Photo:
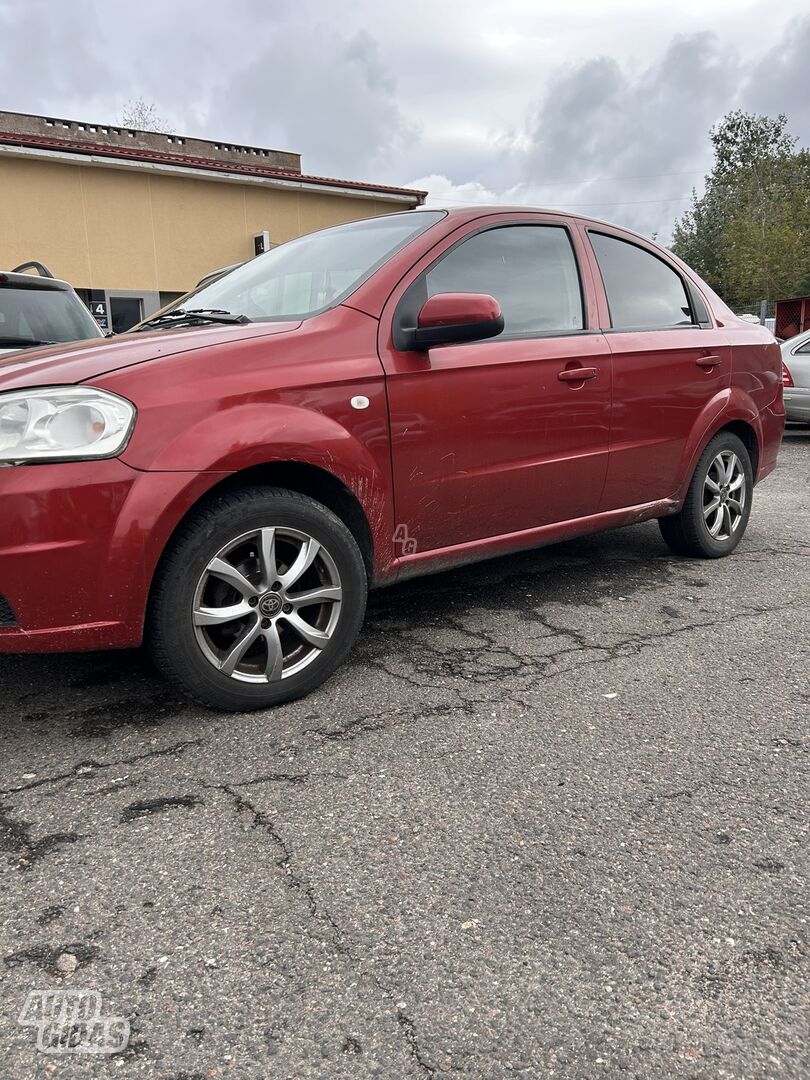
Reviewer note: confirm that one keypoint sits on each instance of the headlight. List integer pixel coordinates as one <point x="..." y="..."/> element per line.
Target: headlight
<point x="63" y="423"/>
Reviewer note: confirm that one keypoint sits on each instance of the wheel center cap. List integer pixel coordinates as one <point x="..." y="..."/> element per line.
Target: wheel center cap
<point x="723" y="496"/>
<point x="270" y="604"/>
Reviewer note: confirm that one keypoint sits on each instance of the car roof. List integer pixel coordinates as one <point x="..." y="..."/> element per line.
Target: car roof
<point x="469" y="213"/>
<point x="32" y="281"/>
<point x="496" y="208"/>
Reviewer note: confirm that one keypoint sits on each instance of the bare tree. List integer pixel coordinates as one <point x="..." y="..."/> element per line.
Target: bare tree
<point x="142" y="116"/>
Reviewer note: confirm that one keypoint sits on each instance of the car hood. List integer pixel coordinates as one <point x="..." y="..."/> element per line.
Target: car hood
<point x="57" y="365"/>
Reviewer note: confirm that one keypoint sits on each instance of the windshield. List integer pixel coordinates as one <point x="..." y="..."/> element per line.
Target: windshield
<point x="29" y="315"/>
<point x="304" y="276"/>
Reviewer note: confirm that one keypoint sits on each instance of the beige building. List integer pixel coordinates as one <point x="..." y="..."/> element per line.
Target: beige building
<point x="133" y="219"/>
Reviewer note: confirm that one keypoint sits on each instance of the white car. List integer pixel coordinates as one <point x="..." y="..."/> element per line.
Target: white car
<point x="36" y="311"/>
<point x="796" y="377"/>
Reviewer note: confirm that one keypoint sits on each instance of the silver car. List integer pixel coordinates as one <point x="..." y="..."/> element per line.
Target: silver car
<point x="796" y="375"/>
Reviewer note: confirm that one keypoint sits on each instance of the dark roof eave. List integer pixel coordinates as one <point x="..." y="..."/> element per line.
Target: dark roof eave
<point x="75" y="146"/>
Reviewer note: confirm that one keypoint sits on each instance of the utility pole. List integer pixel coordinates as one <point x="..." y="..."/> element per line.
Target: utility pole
<point x="763" y="311"/>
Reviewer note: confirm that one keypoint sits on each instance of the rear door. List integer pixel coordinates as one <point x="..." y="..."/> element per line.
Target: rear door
<point x="486" y="438"/>
<point x="669" y="361"/>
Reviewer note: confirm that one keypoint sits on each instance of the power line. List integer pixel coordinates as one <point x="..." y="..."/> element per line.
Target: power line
<point x="787" y="183"/>
<point x="498" y="202"/>
<point x="607" y="179"/>
<point x="634" y="202"/>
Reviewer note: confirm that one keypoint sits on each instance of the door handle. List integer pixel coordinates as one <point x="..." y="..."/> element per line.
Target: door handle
<point x="577" y="374"/>
<point x="708" y="361"/>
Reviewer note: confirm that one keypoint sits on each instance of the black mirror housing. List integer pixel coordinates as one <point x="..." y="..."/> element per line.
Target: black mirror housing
<point x="425" y="337"/>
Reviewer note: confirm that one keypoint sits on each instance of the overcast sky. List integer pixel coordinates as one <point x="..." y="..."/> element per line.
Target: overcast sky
<point x="598" y="105"/>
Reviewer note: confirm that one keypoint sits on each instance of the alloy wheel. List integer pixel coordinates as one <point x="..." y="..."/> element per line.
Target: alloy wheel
<point x="724" y="495"/>
<point x="267" y="605"/>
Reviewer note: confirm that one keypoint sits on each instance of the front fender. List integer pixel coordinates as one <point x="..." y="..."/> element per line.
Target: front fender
<point x="725" y="407"/>
<point x="248" y="434"/>
<point x="259" y="433"/>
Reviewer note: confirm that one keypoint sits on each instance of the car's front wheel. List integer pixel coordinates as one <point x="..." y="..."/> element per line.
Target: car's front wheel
<point x="258" y="599"/>
<point x="717" y="506"/>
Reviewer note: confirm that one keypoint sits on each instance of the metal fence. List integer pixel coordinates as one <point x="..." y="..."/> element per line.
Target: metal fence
<point x="783" y="317"/>
<point x="755" y="306"/>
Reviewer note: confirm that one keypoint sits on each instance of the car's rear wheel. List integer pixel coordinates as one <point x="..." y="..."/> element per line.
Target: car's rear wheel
<point x="258" y="599"/>
<point x="717" y="506"/>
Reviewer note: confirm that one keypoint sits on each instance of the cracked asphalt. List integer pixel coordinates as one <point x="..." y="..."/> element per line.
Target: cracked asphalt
<point x="551" y="820"/>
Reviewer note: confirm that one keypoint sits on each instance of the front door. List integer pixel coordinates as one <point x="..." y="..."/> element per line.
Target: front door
<point x="669" y="361"/>
<point x="495" y="437"/>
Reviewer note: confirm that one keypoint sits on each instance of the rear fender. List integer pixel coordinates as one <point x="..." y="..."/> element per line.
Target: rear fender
<point x="725" y="407"/>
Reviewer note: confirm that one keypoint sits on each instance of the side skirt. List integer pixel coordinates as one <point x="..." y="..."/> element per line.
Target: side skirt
<point x="433" y="562"/>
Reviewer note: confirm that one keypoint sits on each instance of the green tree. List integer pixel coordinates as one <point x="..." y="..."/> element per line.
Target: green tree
<point x="743" y="141"/>
<point x="748" y="235"/>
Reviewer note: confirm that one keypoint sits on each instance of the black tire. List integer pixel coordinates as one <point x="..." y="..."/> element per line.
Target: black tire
<point x="171" y="635"/>
<point x="687" y="532"/>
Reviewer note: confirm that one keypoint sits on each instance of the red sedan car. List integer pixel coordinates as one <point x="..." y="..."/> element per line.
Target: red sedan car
<point x="385" y="398"/>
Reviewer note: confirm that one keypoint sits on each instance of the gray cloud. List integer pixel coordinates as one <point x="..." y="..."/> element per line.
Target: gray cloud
<point x="316" y="90"/>
<point x="631" y="143"/>
<point x="43" y="59"/>
<point x="595" y="115"/>
<point x="780" y="82"/>
<point x="524" y="108"/>
<point x="598" y="121"/>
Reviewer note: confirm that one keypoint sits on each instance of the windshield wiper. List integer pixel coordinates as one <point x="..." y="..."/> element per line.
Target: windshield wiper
<point x="23" y="342"/>
<point x="192" y="316"/>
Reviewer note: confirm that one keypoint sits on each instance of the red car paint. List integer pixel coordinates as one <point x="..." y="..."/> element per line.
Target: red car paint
<point x="448" y="309"/>
<point x="607" y="425"/>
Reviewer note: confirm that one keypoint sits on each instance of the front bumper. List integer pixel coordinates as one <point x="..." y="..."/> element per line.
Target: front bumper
<point x="797" y="404"/>
<point x="79" y="542"/>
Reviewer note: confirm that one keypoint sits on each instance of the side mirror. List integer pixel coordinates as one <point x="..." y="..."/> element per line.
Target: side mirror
<point x="455" y="317"/>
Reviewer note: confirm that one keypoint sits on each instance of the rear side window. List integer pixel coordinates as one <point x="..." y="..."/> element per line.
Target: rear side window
<point x="643" y="292"/>
<point x="529" y="269"/>
<point x="28" y="315"/>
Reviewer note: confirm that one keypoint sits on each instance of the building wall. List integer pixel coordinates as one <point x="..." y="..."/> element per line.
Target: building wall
<point x="141" y="231"/>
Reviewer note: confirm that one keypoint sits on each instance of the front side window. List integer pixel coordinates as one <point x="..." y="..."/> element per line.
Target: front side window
<point x="643" y="293"/>
<point x="529" y="269"/>
<point x="317" y="271"/>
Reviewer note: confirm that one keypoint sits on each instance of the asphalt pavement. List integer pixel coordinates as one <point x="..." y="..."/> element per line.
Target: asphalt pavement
<point x="550" y="821"/>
